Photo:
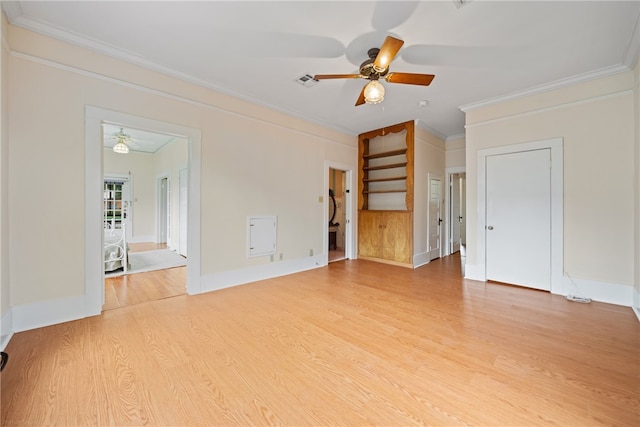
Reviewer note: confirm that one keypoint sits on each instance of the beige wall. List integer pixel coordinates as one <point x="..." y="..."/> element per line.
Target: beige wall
<point x="596" y="121"/>
<point x="455" y="153"/>
<point x="254" y="161"/>
<point x="429" y="161"/>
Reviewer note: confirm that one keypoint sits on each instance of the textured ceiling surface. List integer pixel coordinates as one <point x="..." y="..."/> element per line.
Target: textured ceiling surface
<point x="480" y="52"/>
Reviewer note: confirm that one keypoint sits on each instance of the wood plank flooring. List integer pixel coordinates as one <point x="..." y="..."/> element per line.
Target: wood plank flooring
<point x="138" y="288"/>
<point x="355" y="343"/>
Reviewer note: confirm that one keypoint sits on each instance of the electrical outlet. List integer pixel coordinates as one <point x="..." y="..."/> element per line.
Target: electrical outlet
<point x="310" y="252"/>
<point x="320" y="199"/>
<point x="271" y="256"/>
<point x="281" y="257"/>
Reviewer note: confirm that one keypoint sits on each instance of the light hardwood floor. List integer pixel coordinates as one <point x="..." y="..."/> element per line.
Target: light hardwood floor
<point x="146" y="246"/>
<point x="138" y="288"/>
<point x="355" y="343"/>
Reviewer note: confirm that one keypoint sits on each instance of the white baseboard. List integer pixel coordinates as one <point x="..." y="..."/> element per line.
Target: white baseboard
<point x="7" y="329"/>
<point x="46" y="313"/>
<point x="226" y="279"/>
<point x="611" y="293"/>
<point x="421" y="259"/>
<point x="474" y="272"/>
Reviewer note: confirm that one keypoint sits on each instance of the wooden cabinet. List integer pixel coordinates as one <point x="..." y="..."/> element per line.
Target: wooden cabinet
<point x="385" y="199"/>
<point x="386" y="236"/>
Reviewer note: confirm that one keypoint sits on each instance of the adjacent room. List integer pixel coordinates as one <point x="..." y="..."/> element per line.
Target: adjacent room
<point x="144" y="213"/>
<point x="320" y="213"/>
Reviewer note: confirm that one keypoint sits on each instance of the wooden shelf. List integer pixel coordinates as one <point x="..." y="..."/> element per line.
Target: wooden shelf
<point x="383" y="191"/>
<point x="399" y="152"/>
<point x="387" y="166"/>
<point x="385" y="220"/>
<point x="394" y="178"/>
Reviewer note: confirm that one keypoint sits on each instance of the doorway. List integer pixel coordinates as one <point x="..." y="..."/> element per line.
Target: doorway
<point x="457" y="211"/>
<point x="95" y="119"/>
<point x="337" y="215"/>
<point x="434" y="228"/>
<point x="151" y="244"/>
<point x="338" y="180"/>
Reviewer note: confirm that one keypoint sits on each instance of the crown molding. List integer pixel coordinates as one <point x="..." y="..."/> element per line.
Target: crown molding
<point x="452" y="137"/>
<point x="633" y="50"/>
<point x="557" y="84"/>
<point x="124" y="55"/>
<point x="12" y="10"/>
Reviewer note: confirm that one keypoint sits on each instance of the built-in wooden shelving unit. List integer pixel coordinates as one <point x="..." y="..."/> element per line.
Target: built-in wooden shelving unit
<point x="385" y="222"/>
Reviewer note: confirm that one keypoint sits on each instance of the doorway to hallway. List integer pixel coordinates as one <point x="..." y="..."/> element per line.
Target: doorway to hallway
<point x="337" y="215"/>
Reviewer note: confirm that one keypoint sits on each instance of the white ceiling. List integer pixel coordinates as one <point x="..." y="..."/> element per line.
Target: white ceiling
<point x="480" y="52"/>
<point x="139" y="140"/>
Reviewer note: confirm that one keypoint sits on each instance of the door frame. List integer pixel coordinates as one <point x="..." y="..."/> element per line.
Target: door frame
<point x="558" y="281"/>
<point x="349" y="237"/>
<point x="447" y="205"/>
<point x="164" y="211"/>
<point x="183" y="214"/>
<point x="95" y="117"/>
<point x="438" y="177"/>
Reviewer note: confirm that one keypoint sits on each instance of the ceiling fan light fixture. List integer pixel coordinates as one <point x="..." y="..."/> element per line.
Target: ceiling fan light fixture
<point x="121" y="147"/>
<point x="373" y="92"/>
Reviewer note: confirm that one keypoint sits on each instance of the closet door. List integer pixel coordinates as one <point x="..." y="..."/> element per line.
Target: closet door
<point x="518" y="218"/>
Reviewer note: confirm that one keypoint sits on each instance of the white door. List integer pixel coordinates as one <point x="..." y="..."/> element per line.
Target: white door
<point x="435" y="217"/>
<point x="183" y="178"/>
<point x="456" y="214"/>
<point x="518" y="218"/>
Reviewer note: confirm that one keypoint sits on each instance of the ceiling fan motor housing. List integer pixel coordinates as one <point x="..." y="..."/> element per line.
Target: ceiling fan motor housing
<point x="367" y="69"/>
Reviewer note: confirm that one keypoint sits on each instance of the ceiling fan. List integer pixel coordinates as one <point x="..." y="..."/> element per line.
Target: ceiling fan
<point x="377" y="67"/>
<point x="121" y="146"/>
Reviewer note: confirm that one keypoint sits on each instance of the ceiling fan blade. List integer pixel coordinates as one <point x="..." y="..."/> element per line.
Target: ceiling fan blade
<point x="388" y="51"/>
<point x="410" y="78"/>
<point x="361" y="100"/>
<point x="336" y="76"/>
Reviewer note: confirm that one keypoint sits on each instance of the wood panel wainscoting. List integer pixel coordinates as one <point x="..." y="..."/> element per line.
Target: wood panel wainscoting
<point x="354" y="343"/>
